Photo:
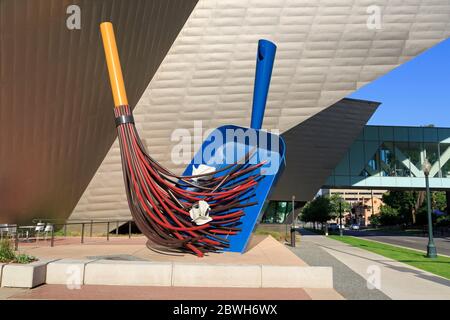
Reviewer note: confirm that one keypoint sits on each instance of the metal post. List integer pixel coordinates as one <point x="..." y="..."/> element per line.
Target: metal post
<point x="340" y="218"/>
<point x="16" y="239"/>
<point x="65" y="229"/>
<point x="117" y="228"/>
<point x="293" y="212"/>
<point x="286" y="233"/>
<point x="431" y="248"/>
<point x="52" y="239"/>
<point x="90" y="231"/>
<point x="107" y="231"/>
<point x="129" y="229"/>
<point x="82" y="233"/>
<point x="293" y="237"/>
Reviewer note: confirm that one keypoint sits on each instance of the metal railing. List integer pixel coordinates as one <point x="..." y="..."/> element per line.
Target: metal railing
<point x="18" y="232"/>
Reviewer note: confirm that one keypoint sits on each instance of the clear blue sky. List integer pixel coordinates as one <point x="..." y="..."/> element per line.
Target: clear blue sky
<point x="414" y="94"/>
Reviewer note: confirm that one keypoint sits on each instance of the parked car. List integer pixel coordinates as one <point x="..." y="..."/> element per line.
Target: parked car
<point x="354" y="226"/>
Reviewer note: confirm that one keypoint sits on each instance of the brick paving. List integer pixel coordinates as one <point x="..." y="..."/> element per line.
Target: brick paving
<point x="94" y="292"/>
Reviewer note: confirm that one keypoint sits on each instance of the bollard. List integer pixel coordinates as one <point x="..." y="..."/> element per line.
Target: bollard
<point x="117" y="228"/>
<point x="90" y="232"/>
<point x="107" y="231"/>
<point x="65" y="229"/>
<point x="52" y="239"/>
<point x="16" y="240"/>
<point x="129" y="229"/>
<point x="293" y="237"/>
<point x="82" y="233"/>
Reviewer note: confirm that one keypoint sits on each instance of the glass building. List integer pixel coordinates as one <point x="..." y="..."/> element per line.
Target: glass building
<point x="392" y="157"/>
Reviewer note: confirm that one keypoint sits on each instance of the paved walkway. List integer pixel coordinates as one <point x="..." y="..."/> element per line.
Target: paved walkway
<point x="91" y="292"/>
<point x="262" y="250"/>
<point x="348" y="283"/>
<point x="95" y="292"/>
<point x="397" y="280"/>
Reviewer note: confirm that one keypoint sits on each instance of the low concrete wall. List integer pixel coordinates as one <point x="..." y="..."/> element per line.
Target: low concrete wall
<point x="24" y="275"/>
<point x="210" y="275"/>
<point x="128" y="273"/>
<point x="146" y="273"/>
<point x="67" y="271"/>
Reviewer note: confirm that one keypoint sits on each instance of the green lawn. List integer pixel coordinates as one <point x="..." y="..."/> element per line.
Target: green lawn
<point x="439" y="266"/>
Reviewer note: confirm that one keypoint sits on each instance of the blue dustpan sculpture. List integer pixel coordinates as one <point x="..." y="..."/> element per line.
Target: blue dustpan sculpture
<point x="229" y="144"/>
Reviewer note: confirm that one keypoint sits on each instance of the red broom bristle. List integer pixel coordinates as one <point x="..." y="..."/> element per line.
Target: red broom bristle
<point x="160" y="200"/>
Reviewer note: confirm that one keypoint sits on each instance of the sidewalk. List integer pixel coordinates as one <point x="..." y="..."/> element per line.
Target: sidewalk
<point x="346" y="282"/>
<point x="91" y="292"/>
<point x="96" y="292"/>
<point x="397" y="280"/>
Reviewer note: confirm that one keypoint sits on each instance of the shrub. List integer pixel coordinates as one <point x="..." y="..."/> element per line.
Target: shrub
<point x="375" y="220"/>
<point x="7" y="253"/>
<point x="443" y="221"/>
<point x="389" y="216"/>
<point x="24" y="258"/>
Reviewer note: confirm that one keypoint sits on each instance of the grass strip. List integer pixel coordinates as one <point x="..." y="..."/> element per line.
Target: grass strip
<point x="439" y="266"/>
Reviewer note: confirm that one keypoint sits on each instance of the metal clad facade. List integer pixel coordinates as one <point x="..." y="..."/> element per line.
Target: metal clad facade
<point x="325" y="52"/>
<point x="55" y="99"/>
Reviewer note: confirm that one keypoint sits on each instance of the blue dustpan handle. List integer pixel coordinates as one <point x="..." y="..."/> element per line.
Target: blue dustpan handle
<point x="264" y="65"/>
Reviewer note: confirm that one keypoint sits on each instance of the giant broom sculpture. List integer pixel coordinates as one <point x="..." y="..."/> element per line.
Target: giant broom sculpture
<point x="193" y="213"/>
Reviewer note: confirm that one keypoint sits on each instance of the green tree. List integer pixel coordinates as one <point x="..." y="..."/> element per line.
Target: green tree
<point x="317" y="210"/>
<point x="439" y="200"/>
<point x="389" y="216"/>
<point x="305" y="213"/>
<point x="335" y="199"/>
<point x="375" y="220"/>
<point x="404" y="202"/>
<point x="412" y="205"/>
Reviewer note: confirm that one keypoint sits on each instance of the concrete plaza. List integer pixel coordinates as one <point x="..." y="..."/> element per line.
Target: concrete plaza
<point x="353" y="272"/>
<point x="263" y="251"/>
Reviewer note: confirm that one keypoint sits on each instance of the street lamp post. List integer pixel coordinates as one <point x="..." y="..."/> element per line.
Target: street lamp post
<point x="340" y="218"/>
<point x="431" y="248"/>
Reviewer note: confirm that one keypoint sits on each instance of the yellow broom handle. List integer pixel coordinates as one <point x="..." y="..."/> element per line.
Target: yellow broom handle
<point x="113" y="62"/>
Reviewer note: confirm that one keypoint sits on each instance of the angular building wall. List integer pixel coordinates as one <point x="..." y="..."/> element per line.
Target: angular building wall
<point x="55" y="100"/>
<point x="317" y="145"/>
<point x="325" y="52"/>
